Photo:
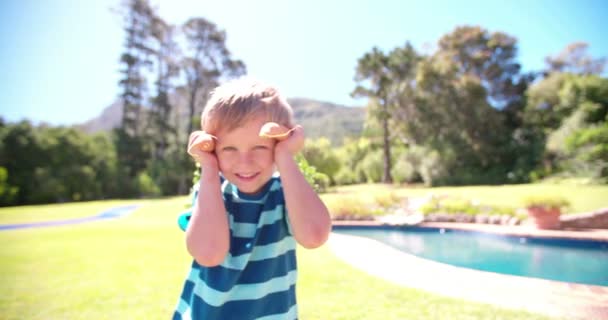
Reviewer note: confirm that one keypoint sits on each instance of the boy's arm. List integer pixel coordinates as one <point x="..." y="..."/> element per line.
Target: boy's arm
<point x="308" y="215"/>
<point x="207" y="235"/>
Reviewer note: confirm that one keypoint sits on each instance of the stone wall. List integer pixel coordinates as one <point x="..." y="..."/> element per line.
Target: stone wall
<point x="595" y="220"/>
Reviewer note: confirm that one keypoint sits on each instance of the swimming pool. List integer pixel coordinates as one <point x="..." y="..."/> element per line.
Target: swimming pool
<point x="569" y="260"/>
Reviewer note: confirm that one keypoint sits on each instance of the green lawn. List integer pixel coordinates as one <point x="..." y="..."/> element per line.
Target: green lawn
<point x="133" y="268"/>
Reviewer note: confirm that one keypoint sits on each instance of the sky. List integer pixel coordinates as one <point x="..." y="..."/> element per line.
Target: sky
<point x="59" y="59"/>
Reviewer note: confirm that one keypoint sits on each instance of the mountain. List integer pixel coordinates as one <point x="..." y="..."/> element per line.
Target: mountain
<point x="325" y="119"/>
<point x="109" y="119"/>
<point x="319" y="119"/>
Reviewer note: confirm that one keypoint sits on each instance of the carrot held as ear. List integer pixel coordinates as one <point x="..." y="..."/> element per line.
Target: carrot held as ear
<point x="200" y="140"/>
<point x="275" y="131"/>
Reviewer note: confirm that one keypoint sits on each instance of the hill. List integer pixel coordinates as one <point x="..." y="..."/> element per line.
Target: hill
<point x="325" y="119"/>
<point x="319" y="119"/>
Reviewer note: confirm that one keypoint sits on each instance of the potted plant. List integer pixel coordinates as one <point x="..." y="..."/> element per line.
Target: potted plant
<point x="544" y="211"/>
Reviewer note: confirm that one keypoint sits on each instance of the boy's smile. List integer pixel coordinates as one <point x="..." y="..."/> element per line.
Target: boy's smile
<point x="245" y="158"/>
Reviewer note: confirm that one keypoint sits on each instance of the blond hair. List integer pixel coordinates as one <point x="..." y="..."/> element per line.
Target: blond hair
<point x="238" y="101"/>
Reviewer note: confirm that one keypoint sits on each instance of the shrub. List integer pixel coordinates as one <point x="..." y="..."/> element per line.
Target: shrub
<point x="404" y="171"/>
<point x="387" y="200"/>
<point x="346" y="176"/>
<point x="453" y="205"/>
<point x="459" y="206"/>
<point x="372" y="166"/>
<point x="319" y="154"/>
<point x="352" y="208"/>
<point x="546" y="201"/>
<point x="319" y="181"/>
<point x="146" y="186"/>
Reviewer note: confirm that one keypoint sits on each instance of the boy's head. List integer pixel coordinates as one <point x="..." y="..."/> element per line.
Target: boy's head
<point x="238" y="101"/>
<point x="235" y="114"/>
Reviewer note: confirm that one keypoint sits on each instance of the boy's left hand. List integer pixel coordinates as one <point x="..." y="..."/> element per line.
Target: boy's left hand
<point x="292" y="145"/>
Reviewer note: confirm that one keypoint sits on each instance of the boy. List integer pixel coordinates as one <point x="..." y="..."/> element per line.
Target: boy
<point x="243" y="227"/>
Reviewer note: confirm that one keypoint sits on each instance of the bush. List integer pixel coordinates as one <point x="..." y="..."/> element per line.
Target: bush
<point x="8" y="193"/>
<point x="454" y="205"/>
<point x="546" y="201"/>
<point x="319" y="181"/>
<point x="352" y="208"/>
<point x="350" y="156"/>
<point x="371" y="167"/>
<point x="146" y="186"/>
<point x="404" y="171"/>
<point x="346" y="176"/>
<point x="387" y="200"/>
<point x="319" y="154"/>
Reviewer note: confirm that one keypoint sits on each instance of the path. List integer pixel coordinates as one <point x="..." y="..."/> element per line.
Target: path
<point x="111" y="213"/>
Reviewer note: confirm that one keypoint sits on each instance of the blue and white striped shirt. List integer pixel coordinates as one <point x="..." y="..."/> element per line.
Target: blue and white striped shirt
<point x="257" y="279"/>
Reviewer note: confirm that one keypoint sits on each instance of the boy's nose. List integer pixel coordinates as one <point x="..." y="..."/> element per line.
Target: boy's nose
<point x="245" y="157"/>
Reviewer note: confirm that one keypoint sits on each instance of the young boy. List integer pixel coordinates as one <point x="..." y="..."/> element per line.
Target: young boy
<point x="244" y="225"/>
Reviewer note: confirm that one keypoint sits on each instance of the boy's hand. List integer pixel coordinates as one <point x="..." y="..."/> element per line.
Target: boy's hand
<point x="292" y="145"/>
<point x="200" y="147"/>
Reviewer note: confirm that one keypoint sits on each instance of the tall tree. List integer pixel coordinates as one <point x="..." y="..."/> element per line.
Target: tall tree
<point x="166" y="53"/>
<point x="572" y="112"/>
<point x="137" y="25"/>
<point x="574" y="58"/>
<point x="380" y="77"/>
<point x="207" y="61"/>
<point x="490" y="57"/>
<point x="131" y="145"/>
<point x="485" y="64"/>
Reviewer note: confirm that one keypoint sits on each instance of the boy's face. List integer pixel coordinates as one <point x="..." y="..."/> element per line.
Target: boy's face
<point x="244" y="158"/>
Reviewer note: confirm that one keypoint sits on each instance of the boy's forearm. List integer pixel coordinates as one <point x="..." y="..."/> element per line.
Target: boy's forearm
<point x="308" y="215"/>
<point x="207" y="236"/>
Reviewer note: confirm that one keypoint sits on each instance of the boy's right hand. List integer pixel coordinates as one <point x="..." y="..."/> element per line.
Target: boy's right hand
<point x="200" y="147"/>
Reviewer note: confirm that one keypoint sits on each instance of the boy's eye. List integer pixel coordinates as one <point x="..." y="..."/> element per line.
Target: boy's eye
<point x="228" y="149"/>
<point x="260" y="147"/>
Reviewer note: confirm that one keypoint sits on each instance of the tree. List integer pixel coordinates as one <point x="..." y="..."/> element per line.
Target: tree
<point x="131" y="144"/>
<point x="319" y="154"/>
<point x="574" y="58"/>
<point x="138" y="20"/>
<point x="572" y="112"/>
<point x="167" y="68"/>
<point x="489" y="57"/>
<point x="54" y="164"/>
<point x="208" y="61"/>
<point x="21" y="152"/>
<point x="378" y="78"/>
<point x="464" y="102"/>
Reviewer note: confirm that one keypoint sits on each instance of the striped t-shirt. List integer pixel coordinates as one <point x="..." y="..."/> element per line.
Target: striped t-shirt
<point x="257" y="279"/>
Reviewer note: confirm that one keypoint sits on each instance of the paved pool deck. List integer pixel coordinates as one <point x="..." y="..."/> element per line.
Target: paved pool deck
<point x="554" y="298"/>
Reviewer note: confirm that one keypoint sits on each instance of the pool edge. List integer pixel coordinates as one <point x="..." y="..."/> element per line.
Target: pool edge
<point x="600" y="235"/>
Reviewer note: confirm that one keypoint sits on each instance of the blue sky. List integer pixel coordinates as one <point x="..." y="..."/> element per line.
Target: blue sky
<point x="59" y="58"/>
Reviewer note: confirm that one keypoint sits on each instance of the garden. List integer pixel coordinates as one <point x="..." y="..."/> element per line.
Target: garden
<point x="132" y="267"/>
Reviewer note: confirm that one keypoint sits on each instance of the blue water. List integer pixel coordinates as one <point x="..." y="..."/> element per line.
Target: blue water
<point x="577" y="261"/>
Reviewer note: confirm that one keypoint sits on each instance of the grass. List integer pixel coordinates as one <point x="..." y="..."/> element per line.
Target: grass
<point x="331" y="289"/>
<point x="133" y="268"/>
<point x="581" y="198"/>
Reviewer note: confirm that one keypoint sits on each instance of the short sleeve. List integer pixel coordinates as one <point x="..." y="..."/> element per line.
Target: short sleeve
<point x="184" y="216"/>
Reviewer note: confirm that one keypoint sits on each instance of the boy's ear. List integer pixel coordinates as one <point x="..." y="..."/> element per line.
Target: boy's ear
<point x="274" y="130"/>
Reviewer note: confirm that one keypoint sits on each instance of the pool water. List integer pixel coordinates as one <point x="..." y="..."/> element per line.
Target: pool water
<point x="579" y="261"/>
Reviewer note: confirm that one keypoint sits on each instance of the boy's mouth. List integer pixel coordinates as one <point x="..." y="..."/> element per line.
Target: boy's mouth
<point x="247" y="176"/>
